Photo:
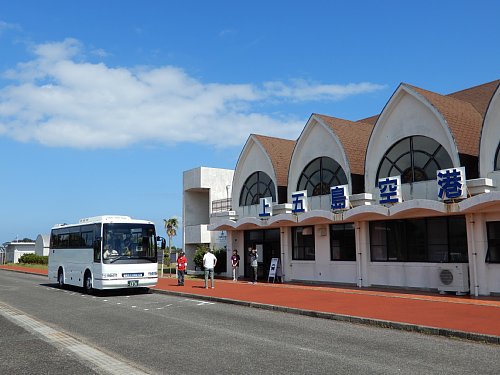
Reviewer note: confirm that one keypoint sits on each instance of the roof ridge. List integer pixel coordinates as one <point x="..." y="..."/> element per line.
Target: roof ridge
<point x="446" y="97"/>
<point x="277" y="138"/>
<point x="346" y="120"/>
<point x="497" y="81"/>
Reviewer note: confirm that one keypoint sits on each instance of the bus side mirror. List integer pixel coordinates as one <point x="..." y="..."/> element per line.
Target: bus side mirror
<point x="163" y="242"/>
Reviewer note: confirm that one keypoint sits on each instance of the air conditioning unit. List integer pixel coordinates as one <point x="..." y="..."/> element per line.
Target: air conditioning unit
<point x="454" y="278"/>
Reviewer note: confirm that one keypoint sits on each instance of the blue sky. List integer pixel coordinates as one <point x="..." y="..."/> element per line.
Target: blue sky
<point x="103" y="104"/>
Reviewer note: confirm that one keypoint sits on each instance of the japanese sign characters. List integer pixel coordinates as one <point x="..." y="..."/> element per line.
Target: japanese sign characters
<point x="339" y="196"/>
<point x="390" y="190"/>
<point x="299" y="201"/>
<point x="451" y="183"/>
<point x="265" y="207"/>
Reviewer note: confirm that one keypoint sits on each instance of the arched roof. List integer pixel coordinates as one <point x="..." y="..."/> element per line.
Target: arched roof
<point x="280" y="152"/>
<point x="479" y="96"/>
<point x="463" y="119"/>
<point x="354" y="136"/>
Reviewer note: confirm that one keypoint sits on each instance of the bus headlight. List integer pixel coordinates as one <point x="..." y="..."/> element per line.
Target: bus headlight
<point x="152" y="273"/>
<point x="108" y="275"/>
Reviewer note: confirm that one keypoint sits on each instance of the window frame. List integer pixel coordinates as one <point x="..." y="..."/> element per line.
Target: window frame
<point x="344" y="249"/>
<point x="388" y="246"/>
<point x="432" y="157"/>
<point x="489" y="224"/>
<point x="299" y="251"/>
<point x="246" y="191"/>
<point x="305" y="183"/>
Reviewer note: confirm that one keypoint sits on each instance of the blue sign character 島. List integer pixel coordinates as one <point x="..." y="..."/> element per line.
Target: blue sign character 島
<point x="339" y="197"/>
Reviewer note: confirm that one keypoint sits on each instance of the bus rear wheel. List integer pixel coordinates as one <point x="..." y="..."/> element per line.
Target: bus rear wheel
<point x="87" y="283"/>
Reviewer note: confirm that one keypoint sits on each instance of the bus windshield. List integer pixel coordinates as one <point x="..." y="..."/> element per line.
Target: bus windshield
<point x="129" y="243"/>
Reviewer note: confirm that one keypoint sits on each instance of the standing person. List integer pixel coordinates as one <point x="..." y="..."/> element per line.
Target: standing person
<point x="209" y="262"/>
<point x="181" y="268"/>
<point x="235" y="263"/>
<point x="254" y="264"/>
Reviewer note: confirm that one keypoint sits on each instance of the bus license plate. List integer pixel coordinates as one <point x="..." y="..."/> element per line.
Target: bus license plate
<point x="133" y="283"/>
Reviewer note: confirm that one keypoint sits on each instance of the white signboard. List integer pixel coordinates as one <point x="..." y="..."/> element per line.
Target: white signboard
<point x="451" y="184"/>
<point x="274" y="269"/>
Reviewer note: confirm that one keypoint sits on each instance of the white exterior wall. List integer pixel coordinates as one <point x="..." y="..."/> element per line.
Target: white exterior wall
<point x="201" y="186"/>
<point x="406" y="115"/>
<point x="316" y="141"/>
<point x="42" y="244"/>
<point x="322" y="269"/>
<point x="490" y="138"/>
<point x="488" y="274"/>
<point x="196" y="207"/>
<point x="253" y="159"/>
<point x="404" y="274"/>
<point x="15" y="250"/>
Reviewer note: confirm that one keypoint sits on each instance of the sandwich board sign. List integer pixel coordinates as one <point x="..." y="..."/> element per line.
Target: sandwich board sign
<point x="274" y="269"/>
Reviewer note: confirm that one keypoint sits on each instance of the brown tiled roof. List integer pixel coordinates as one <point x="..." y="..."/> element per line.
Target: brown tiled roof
<point x="280" y="152"/>
<point x="479" y="96"/>
<point x="370" y="120"/>
<point x="354" y="137"/>
<point x="463" y="119"/>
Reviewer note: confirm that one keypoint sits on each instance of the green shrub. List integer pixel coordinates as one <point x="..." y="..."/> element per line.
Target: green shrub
<point x="220" y="254"/>
<point x="34" y="259"/>
<point x="198" y="256"/>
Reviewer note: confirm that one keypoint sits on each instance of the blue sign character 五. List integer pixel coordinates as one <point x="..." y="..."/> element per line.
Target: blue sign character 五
<point x="298" y="202"/>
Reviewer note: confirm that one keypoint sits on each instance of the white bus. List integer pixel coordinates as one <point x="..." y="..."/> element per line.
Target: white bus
<point x="104" y="252"/>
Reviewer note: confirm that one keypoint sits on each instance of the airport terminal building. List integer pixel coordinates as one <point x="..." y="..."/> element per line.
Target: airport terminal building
<point x="408" y="198"/>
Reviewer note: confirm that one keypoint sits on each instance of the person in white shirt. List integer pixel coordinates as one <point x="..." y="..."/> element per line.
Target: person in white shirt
<point x="209" y="262"/>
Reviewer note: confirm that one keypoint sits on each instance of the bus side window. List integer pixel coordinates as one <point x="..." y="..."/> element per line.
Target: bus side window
<point x="97" y="250"/>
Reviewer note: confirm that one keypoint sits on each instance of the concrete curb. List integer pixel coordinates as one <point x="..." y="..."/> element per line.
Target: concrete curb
<point x="450" y="333"/>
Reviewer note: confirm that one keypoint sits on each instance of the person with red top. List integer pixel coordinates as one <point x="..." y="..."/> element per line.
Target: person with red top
<point x="181" y="268"/>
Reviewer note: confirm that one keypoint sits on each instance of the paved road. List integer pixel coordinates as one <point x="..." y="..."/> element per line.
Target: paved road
<point x="161" y="334"/>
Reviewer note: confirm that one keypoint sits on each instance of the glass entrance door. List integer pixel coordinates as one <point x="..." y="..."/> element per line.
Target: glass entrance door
<point x="269" y="241"/>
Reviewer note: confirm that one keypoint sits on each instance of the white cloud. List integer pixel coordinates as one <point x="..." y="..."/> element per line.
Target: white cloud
<point x="301" y="90"/>
<point x="5" y="26"/>
<point x="58" y="99"/>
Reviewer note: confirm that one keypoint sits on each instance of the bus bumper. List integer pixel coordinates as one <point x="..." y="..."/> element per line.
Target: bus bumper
<point x="125" y="283"/>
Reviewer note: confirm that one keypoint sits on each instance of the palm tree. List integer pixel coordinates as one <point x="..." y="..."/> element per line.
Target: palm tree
<point x="171" y="229"/>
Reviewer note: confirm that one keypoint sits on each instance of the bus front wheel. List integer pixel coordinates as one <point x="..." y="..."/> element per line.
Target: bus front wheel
<point x="60" y="279"/>
<point x="87" y="283"/>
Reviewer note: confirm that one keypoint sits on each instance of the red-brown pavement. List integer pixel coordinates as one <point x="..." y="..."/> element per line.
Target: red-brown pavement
<point x="456" y="313"/>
